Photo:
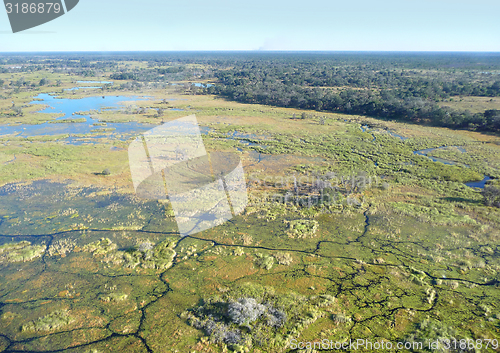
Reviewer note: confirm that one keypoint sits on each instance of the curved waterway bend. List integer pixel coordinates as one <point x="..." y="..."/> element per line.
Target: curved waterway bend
<point x="473" y="184"/>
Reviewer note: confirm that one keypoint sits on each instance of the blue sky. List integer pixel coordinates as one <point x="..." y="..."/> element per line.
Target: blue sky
<point x="389" y="25"/>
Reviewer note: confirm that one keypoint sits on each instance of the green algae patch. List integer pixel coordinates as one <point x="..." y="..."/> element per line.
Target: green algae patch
<point x="20" y="252"/>
<point x="272" y="212"/>
<point x="53" y="321"/>
<point x="145" y="255"/>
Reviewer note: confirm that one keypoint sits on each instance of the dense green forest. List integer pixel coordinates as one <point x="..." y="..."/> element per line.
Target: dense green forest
<point x="379" y="86"/>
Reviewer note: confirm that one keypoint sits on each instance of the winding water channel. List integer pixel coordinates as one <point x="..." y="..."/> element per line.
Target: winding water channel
<point x="425" y="152"/>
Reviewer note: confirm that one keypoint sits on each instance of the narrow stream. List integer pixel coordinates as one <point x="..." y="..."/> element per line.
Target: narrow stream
<point x="425" y="152"/>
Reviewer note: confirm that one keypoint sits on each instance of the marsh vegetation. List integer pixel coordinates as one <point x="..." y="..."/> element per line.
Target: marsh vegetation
<point x="358" y="226"/>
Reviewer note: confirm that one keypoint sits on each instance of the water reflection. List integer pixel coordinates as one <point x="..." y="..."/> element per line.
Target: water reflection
<point x="67" y="107"/>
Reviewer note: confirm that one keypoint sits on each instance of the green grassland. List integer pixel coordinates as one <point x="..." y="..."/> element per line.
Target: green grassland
<point x="473" y="104"/>
<point x="413" y="254"/>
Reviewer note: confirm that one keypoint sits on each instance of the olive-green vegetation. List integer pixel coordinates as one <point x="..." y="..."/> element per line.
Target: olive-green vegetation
<point x="62" y="121"/>
<point x="52" y="321"/>
<point x="301" y="228"/>
<point x="356" y="228"/>
<point x="252" y="315"/>
<point x="20" y="252"/>
<point x="146" y="255"/>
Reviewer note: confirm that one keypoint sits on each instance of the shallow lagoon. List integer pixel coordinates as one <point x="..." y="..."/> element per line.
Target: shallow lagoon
<point x="68" y="107"/>
<point x="479" y="184"/>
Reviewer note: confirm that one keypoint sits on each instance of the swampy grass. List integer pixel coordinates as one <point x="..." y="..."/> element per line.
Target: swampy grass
<point x="416" y="255"/>
<point x="387" y="271"/>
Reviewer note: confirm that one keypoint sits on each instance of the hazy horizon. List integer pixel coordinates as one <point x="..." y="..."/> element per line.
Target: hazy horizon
<point x="361" y="25"/>
<point x="260" y="51"/>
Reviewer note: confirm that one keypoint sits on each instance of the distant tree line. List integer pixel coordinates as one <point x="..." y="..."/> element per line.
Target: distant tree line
<point x="154" y="74"/>
<point x="397" y="86"/>
<point x="388" y="92"/>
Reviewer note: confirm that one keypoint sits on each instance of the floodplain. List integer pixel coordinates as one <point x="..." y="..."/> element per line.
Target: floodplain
<point x="356" y="228"/>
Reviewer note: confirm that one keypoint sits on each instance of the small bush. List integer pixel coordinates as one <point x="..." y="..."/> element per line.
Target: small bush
<point x="283" y="258"/>
<point x="491" y="195"/>
<point x="265" y="262"/>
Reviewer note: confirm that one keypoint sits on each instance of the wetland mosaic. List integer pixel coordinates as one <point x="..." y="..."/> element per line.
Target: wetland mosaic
<point x="356" y="228"/>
